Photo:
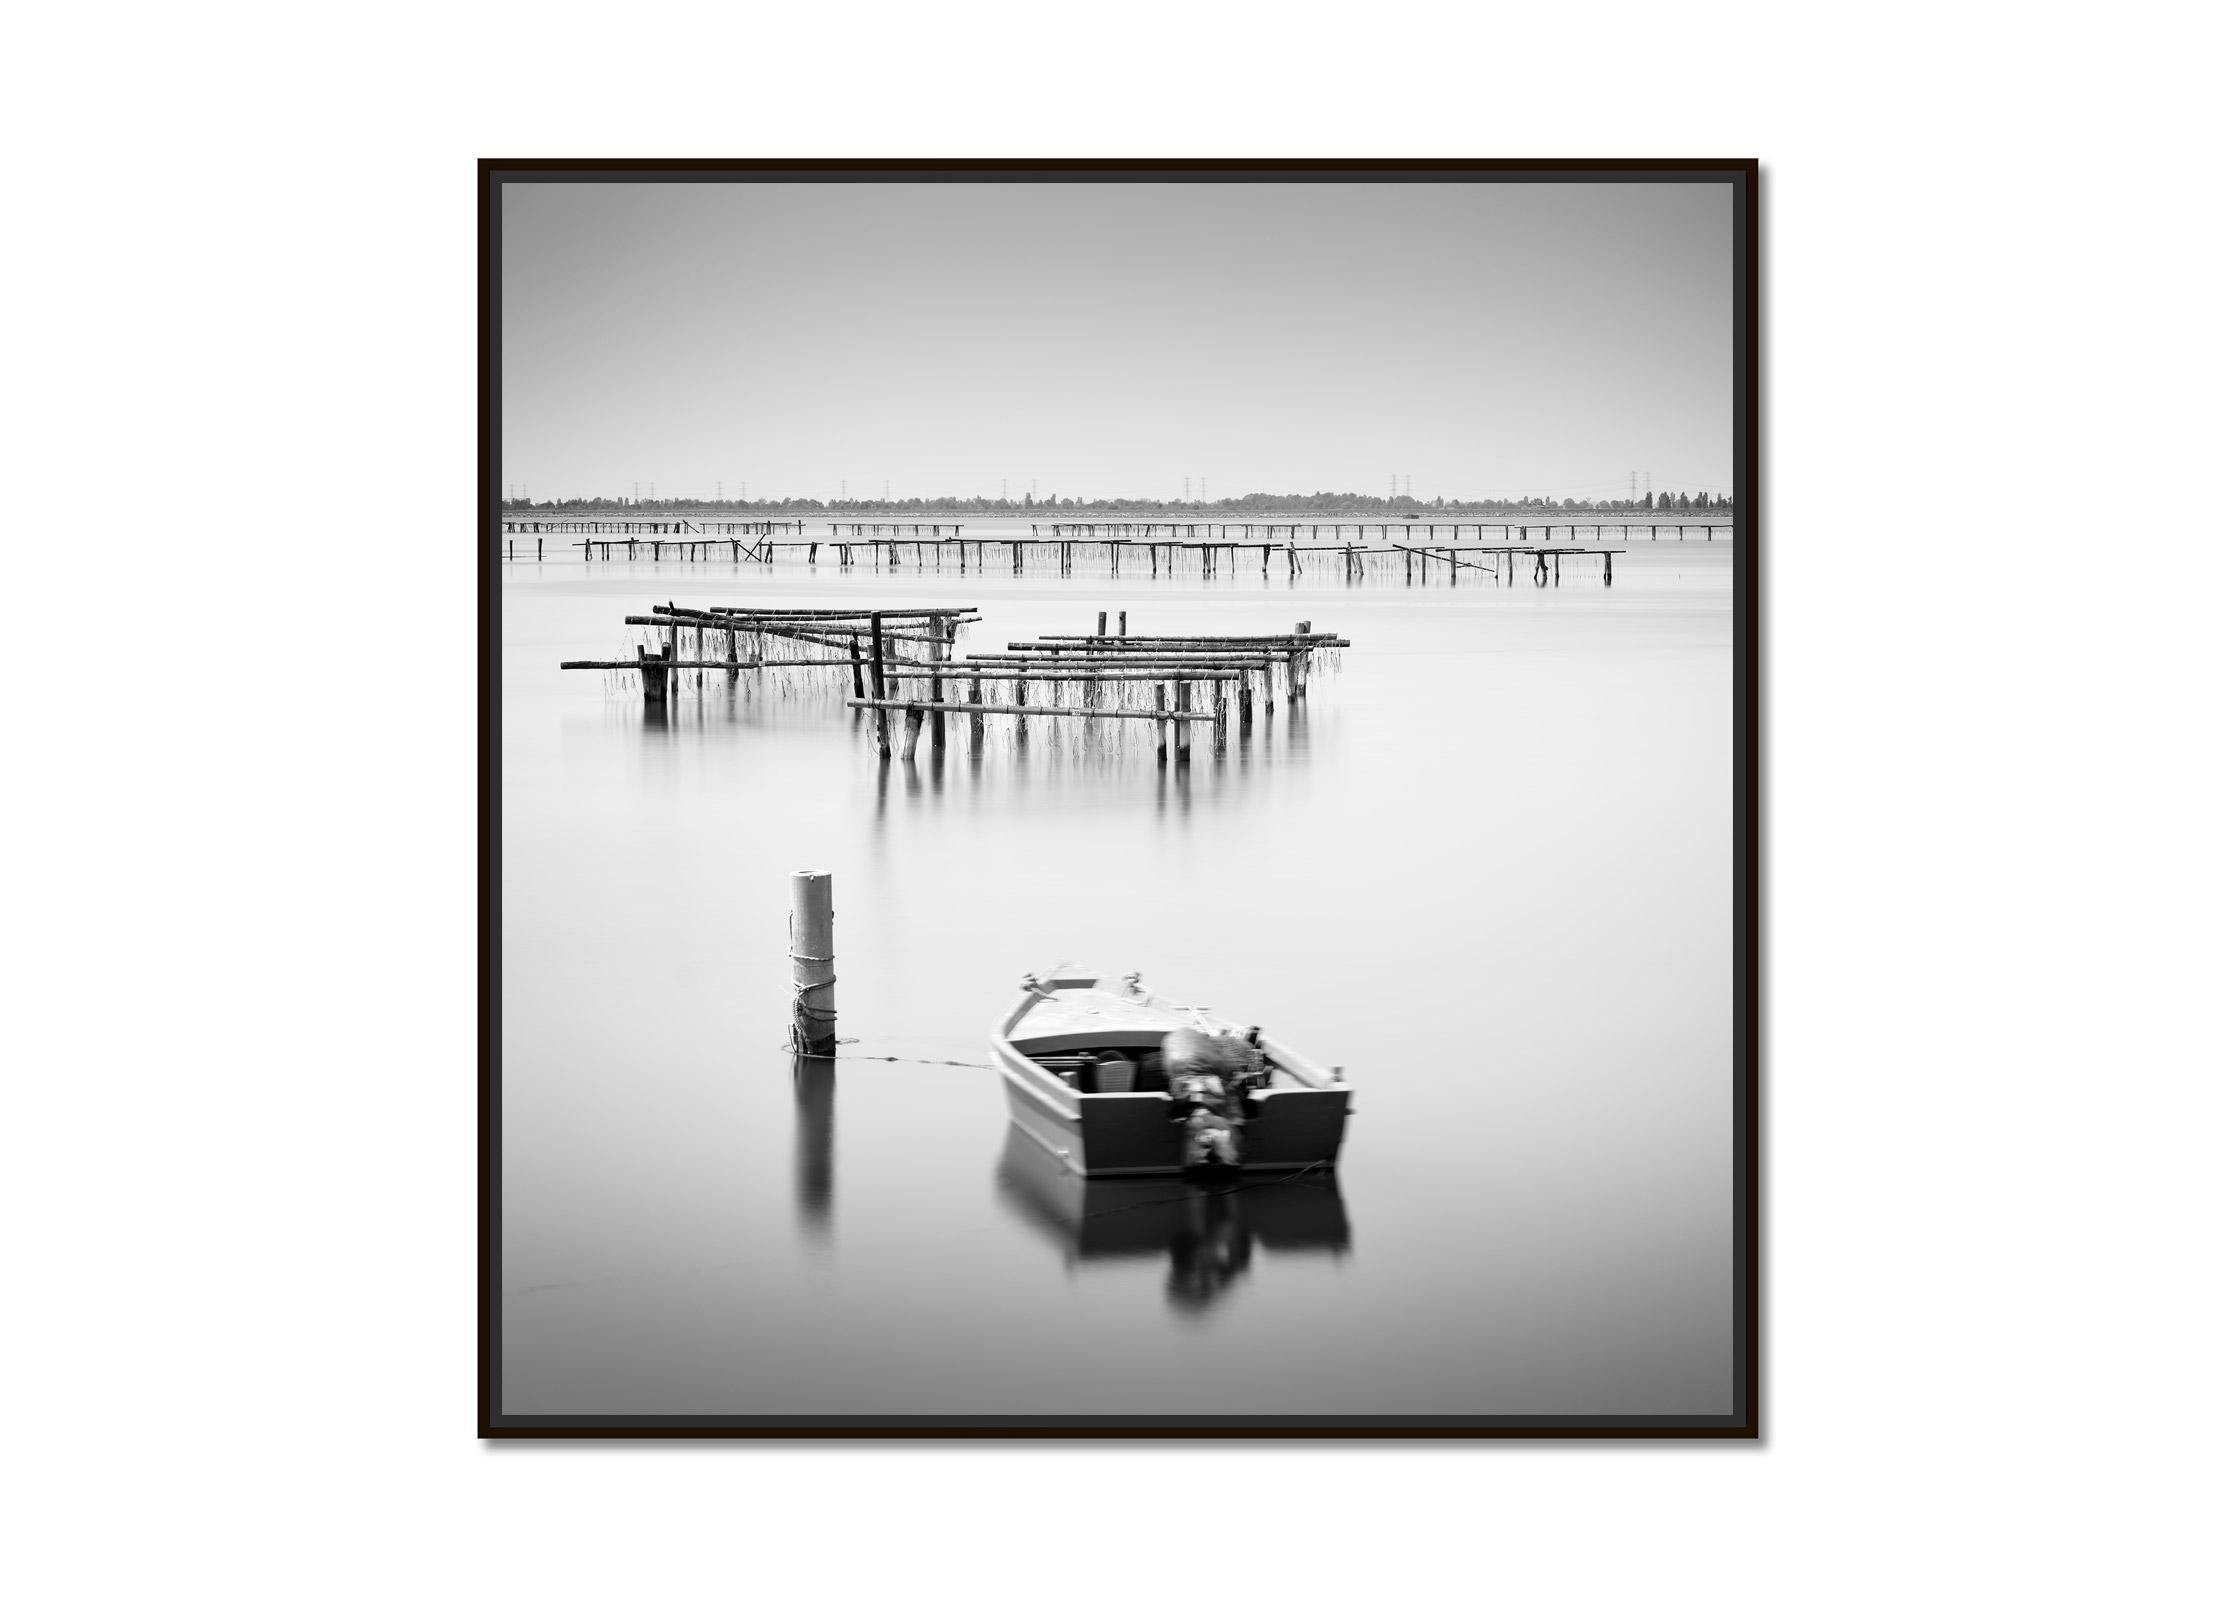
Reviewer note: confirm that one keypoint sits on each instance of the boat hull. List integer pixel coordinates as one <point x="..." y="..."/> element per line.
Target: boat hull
<point x="1297" y="1122"/>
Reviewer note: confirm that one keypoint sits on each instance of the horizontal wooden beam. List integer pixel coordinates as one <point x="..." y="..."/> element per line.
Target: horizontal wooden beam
<point x="1188" y="642"/>
<point x="996" y="674"/>
<point x="703" y="665"/>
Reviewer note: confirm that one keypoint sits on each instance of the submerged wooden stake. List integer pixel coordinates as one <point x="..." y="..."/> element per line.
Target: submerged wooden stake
<point x="816" y="1019"/>
<point x="653" y="674"/>
<point x="879" y="684"/>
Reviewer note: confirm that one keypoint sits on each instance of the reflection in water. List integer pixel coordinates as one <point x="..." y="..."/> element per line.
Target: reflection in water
<point x="812" y="1145"/>
<point x="1207" y="1235"/>
<point x="1039" y="756"/>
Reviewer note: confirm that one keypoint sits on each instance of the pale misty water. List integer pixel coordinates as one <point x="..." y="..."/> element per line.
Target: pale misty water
<point x="1486" y="868"/>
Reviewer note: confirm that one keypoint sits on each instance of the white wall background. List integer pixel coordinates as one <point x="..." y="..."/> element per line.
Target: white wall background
<point x="239" y="1172"/>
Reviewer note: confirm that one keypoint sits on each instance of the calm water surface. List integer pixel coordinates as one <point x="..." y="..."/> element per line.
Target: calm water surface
<point x="1486" y="868"/>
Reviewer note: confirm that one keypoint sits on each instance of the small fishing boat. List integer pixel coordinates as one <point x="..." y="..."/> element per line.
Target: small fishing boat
<point x="1116" y="1081"/>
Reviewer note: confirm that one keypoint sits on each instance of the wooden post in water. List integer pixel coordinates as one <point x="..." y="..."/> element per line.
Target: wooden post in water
<point x="979" y="723"/>
<point x="855" y="666"/>
<point x="1159" y="720"/>
<point x="1220" y="718"/>
<point x="1181" y="728"/>
<point x="912" y="721"/>
<point x="816" y="1019"/>
<point x="1100" y="624"/>
<point x="879" y="685"/>
<point x="1244" y="702"/>
<point x="654" y="680"/>
<point x="940" y="721"/>
<point x="1019" y="698"/>
<point x="1123" y="624"/>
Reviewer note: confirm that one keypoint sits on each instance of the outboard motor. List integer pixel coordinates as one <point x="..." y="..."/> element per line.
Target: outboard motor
<point x="1209" y="1145"/>
<point x="1203" y="1077"/>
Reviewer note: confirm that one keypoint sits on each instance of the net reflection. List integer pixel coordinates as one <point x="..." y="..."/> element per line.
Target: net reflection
<point x="932" y="779"/>
<point x="1208" y="1235"/>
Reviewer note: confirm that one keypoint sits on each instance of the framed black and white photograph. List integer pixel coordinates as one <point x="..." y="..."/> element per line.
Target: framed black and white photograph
<point x="865" y="763"/>
<point x="1119" y="798"/>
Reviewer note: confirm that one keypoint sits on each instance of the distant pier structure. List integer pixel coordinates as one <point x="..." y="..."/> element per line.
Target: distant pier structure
<point x="1418" y="551"/>
<point x="601" y="537"/>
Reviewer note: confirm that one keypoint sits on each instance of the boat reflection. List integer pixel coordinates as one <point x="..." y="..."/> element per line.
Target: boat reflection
<point x="1208" y="1235"/>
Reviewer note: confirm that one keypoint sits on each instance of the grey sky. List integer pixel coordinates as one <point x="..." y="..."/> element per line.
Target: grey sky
<point x="1111" y="339"/>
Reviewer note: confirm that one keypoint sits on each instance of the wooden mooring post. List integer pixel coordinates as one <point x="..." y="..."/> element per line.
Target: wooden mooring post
<point x="653" y="674"/>
<point x="879" y="683"/>
<point x="816" y="1019"/>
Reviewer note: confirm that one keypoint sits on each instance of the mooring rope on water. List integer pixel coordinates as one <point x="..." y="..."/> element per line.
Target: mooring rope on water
<point x="929" y="1061"/>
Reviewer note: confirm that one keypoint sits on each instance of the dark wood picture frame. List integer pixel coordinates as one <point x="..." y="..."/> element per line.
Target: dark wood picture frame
<point x="1744" y="1422"/>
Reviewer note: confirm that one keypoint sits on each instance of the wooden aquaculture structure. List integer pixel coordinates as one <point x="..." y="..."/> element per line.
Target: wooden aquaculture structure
<point x="902" y="663"/>
<point x="1172" y="682"/>
<point x="788" y="641"/>
<point x="1056" y="545"/>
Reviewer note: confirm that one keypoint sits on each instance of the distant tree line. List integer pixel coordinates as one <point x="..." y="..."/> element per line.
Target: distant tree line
<point x="1322" y="503"/>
